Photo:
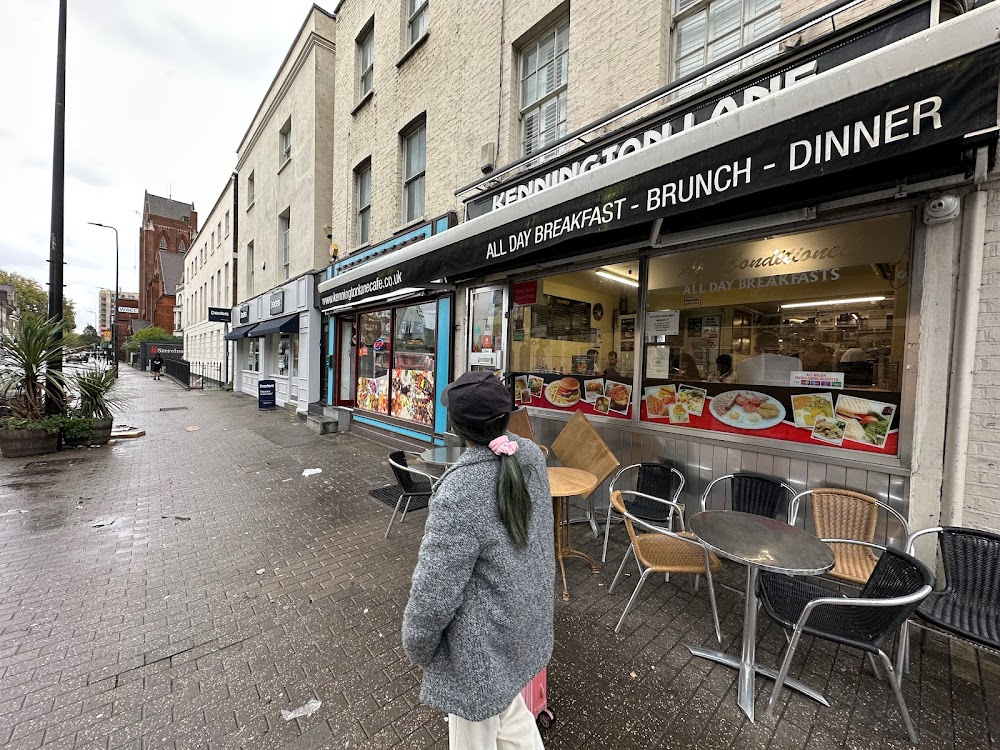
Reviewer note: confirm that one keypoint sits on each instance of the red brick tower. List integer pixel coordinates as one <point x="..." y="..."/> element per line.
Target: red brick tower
<point x="168" y="227"/>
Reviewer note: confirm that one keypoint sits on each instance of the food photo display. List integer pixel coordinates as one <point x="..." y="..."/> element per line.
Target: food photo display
<point x="590" y="395"/>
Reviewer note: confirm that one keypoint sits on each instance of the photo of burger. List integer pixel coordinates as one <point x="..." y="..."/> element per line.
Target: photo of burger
<point x="563" y="393"/>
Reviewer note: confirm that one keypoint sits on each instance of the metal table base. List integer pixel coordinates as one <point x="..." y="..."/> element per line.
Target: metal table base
<point x="747" y="664"/>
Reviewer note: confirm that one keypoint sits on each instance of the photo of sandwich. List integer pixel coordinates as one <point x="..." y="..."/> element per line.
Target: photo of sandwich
<point x="563" y="393"/>
<point x="866" y="421"/>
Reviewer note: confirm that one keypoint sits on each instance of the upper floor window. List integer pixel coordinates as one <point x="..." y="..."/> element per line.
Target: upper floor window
<point x="284" y="231"/>
<point x="250" y="267"/>
<point x="544" y="80"/>
<point x="211" y="245"/>
<point x="285" y="141"/>
<point x="163" y="243"/>
<point x="363" y="180"/>
<point x="416" y="20"/>
<point x="181" y="247"/>
<point x="706" y="30"/>
<point x="218" y="233"/>
<point x="366" y="63"/>
<point x="227" y="223"/>
<point x="250" y="190"/>
<point x="414" y="167"/>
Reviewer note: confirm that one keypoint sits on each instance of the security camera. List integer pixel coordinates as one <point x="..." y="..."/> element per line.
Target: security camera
<point x="942" y="209"/>
<point x="486" y="168"/>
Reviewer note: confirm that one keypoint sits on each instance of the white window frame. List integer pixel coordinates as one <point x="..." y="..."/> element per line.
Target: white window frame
<point x="419" y="176"/>
<point x="531" y="109"/>
<point x="285" y="143"/>
<point x="417" y="20"/>
<point x="686" y="13"/>
<point x="366" y="63"/>
<point x="363" y="211"/>
<point x="251" y="191"/>
<point x="284" y="237"/>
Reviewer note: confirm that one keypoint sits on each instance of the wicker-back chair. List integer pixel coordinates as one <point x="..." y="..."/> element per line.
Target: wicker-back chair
<point x="578" y="446"/>
<point x="895" y="588"/>
<point x="412" y="481"/>
<point x="843" y="519"/>
<point x="660" y="550"/>
<point x="750" y="492"/>
<point x="653" y="483"/>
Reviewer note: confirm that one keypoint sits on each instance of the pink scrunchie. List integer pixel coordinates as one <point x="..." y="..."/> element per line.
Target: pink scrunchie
<point x="503" y="446"/>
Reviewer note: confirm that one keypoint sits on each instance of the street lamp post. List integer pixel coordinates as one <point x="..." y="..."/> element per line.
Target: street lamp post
<point x="114" y="318"/>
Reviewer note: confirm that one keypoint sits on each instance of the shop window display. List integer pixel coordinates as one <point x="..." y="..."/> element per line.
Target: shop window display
<point x="573" y="340"/>
<point x="396" y="356"/>
<point x="798" y="337"/>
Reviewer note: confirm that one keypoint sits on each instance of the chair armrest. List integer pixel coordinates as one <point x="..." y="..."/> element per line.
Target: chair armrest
<point x="897" y="515"/>
<point x="844" y="601"/>
<point x="793" y="507"/>
<point x="871" y="545"/>
<point x="674" y="506"/>
<point x="704" y="495"/>
<point x="665" y="532"/>
<point x="913" y="537"/>
<point x="611" y="487"/>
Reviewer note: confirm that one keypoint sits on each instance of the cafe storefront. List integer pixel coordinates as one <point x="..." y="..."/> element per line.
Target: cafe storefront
<point x="770" y="291"/>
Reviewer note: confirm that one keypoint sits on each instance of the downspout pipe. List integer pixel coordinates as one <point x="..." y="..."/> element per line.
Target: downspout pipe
<point x="970" y="278"/>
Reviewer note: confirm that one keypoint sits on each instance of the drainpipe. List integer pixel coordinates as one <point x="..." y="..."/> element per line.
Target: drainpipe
<point x="970" y="277"/>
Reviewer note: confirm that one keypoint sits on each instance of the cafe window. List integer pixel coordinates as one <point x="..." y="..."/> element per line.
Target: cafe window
<point x="573" y="340"/>
<point x="796" y="337"/>
<point x="396" y="362"/>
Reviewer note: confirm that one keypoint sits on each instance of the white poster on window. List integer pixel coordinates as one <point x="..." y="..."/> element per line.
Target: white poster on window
<point x="663" y="323"/>
<point x="658" y="362"/>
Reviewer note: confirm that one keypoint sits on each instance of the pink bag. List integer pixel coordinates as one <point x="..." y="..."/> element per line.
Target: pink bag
<point x="535" y="696"/>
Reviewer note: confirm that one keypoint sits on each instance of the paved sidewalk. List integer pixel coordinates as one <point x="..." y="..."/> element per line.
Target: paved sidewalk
<point x="181" y="589"/>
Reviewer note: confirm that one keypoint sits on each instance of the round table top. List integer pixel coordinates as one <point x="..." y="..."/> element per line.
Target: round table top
<point x="565" y="482"/>
<point x="442" y="455"/>
<point x="758" y="540"/>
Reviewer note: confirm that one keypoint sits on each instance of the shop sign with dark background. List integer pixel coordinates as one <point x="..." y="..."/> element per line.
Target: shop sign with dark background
<point x="266" y="394"/>
<point x="277" y="301"/>
<point x="220" y="315"/>
<point x="931" y="108"/>
<point x="244" y="314"/>
<point x="832" y="54"/>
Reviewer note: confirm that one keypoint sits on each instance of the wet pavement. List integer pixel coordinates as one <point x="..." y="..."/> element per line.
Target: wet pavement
<point x="182" y="589"/>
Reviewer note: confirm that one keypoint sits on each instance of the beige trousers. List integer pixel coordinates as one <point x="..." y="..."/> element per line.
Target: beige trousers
<point x="514" y="729"/>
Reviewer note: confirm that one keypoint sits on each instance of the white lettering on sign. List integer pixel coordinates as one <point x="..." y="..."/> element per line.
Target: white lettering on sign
<point x="360" y="290"/>
<point x="133" y="310"/>
<point x="866" y="135"/>
<point x="694" y="187"/>
<point x="644" y="140"/>
<point x="785" y="279"/>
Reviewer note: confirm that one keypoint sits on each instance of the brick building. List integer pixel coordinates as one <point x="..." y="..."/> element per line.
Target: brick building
<point x="168" y="228"/>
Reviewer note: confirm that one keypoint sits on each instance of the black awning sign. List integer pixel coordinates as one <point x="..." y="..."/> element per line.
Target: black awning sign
<point x="934" y="107"/>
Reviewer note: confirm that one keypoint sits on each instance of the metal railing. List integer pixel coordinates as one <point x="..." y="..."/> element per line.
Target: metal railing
<point x="206" y="375"/>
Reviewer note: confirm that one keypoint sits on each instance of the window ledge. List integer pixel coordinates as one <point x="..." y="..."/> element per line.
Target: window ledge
<point x="358" y="249"/>
<point x="364" y="100"/>
<point x="410" y="224"/>
<point x="284" y="164"/>
<point x="413" y="48"/>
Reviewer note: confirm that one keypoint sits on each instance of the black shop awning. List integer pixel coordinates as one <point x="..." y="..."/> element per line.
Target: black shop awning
<point x="285" y="324"/>
<point x="239" y="332"/>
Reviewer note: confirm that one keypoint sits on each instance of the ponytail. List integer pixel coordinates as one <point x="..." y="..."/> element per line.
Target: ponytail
<point x="513" y="499"/>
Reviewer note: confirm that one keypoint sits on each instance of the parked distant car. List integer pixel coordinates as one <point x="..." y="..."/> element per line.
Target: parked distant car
<point x="77" y="357"/>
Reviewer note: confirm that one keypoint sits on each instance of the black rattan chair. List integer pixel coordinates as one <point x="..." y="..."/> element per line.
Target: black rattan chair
<point x="896" y="587"/>
<point x="759" y="494"/>
<point x="413" y="482"/>
<point x="969" y="605"/>
<point x="654" y="483"/>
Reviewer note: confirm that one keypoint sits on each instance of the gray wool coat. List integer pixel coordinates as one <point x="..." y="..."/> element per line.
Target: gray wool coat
<point x="479" y="619"/>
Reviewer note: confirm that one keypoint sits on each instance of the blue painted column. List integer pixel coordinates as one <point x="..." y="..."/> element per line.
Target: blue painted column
<point x="442" y="376"/>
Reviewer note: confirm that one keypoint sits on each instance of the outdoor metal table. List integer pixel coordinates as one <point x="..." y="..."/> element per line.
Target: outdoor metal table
<point x="442" y="455"/>
<point x="759" y="543"/>
<point x="565" y="483"/>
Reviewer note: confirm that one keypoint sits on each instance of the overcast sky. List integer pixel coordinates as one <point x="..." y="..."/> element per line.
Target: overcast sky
<point x="158" y="95"/>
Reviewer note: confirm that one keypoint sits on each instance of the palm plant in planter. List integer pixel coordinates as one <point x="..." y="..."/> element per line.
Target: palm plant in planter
<point x="27" y="378"/>
<point x="96" y="403"/>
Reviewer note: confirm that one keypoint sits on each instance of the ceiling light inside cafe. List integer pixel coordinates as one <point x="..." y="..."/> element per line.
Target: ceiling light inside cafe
<point x="616" y="277"/>
<point x="833" y="302"/>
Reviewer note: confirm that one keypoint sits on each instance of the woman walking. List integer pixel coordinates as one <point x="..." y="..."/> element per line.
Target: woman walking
<point x="155" y="365"/>
<point x="479" y="619"/>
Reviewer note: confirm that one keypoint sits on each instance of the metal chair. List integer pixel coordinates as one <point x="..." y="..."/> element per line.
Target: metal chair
<point x="897" y="585"/>
<point x="664" y="551"/>
<point x="413" y="482"/>
<point x="969" y="605"/>
<point x="844" y="519"/>
<point x="759" y="494"/>
<point x="654" y="482"/>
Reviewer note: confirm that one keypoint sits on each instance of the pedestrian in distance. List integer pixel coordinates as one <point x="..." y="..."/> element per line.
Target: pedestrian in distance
<point x="155" y="365"/>
<point x="479" y="618"/>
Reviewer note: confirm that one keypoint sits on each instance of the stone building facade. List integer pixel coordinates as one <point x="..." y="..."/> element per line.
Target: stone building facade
<point x="168" y="228"/>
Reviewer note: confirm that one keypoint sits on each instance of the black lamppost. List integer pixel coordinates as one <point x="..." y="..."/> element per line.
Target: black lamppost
<point x="114" y="315"/>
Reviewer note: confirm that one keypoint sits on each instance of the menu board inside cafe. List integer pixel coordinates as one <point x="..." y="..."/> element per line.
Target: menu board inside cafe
<point x="561" y="318"/>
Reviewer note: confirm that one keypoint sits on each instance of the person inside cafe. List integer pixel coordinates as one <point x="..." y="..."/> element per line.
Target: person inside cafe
<point x="769" y="366"/>
<point x="611" y="371"/>
<point x="480" y="615"/>
<point x="688" y="368"/>
<point x="724" y="369"/>
<point x="816" y="357"/>
<point x="595" y="359"/>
